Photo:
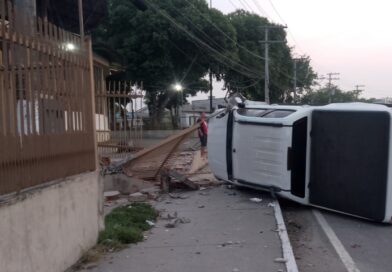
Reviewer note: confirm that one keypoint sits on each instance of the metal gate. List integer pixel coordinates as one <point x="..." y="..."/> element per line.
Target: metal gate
<point x="119" y="118"/>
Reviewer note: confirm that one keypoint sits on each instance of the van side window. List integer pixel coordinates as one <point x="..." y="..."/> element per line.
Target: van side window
<point x="251" y="112"/>
<point x="278" y="114"/>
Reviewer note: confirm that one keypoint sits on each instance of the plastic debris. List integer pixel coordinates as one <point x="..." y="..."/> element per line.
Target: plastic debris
<point x="150" y="223"/>
<point x="272" y="205"/>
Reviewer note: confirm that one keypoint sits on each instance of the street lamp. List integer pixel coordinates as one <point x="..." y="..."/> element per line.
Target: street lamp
<point x="178" y="87"/>
<point x="70" y="47"/>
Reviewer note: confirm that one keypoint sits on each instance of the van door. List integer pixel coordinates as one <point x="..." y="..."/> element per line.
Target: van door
<point x="260" y="148"/>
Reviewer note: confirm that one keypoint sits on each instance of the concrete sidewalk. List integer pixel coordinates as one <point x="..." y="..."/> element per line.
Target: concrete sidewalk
<point x="227" y="233"/>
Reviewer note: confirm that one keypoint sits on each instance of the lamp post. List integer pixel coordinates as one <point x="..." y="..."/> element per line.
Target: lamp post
<point x="178" y="88"/>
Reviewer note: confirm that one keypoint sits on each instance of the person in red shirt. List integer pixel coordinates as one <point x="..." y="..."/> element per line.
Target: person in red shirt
<point x="203" y="133"/>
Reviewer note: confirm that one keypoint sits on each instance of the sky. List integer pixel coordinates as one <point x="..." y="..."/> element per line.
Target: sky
<point x="350" y="37"/>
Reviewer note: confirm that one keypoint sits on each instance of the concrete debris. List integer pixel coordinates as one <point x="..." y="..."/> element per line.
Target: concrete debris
<point x="154" y="189"/>
<point x="169" y="216"/>
<point x="137" y="197"/>
<point x="256" y="199"/>
<point x="178" y="196"/>
<point x="111" y="195"/>
<point x="173" y="179"/>
<point x="109" y="167"/>
<point x="174" y="223"/>
<point x="280" y="260"/>
<point x="272" y="205"/>
<point x="90" y="266"/>
<point x="204" y="180"/>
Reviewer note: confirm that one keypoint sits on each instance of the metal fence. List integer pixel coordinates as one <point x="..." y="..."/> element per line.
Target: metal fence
<point x="46" y="122"/>
<point x="119" y="119"/>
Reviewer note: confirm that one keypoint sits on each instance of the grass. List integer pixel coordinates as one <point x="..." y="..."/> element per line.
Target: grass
<point x="125" y="225"/>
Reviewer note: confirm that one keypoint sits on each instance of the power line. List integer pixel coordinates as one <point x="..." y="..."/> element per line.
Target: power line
<point x="249" y="72"/>
<point x="244" y="5"/>
<point x="235" y="6"/>
<point x="226" y="35"/>
<point x="258" y="6"/>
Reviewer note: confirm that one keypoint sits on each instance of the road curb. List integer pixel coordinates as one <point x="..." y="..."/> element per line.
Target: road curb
<point x="288" y="254"/>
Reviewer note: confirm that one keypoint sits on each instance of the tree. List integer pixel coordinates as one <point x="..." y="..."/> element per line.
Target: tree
<point x="250" y="34"/>
<point x="169" y="42"/>
<point x="323" y="96"/>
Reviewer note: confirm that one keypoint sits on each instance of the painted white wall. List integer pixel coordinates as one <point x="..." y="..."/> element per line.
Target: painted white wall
<point x="49" y="229"/>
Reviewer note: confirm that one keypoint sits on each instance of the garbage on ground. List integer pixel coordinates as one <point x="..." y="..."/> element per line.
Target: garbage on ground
<point x="150" y="223"/>
<point x="256" y="199"/>
<point x="272" y="205"/>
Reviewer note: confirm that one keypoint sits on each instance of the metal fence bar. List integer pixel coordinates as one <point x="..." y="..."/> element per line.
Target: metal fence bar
<point x="46" y="129"/>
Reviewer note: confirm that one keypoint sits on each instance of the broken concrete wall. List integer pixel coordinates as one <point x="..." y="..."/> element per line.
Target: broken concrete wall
<point x="49" y="228"/>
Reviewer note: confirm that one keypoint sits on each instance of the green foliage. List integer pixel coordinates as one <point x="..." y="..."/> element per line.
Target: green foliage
<point x="158" y="53"/>
<point x="250" y="34"/>
<point x="323" y="96"/>
<point x="125" y="225"/>
<point x="182" y="40"/>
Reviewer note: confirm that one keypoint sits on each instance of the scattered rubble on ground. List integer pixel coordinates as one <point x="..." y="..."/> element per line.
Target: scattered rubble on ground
<point x="111" y="195"/>
<point x="175" y="222"/>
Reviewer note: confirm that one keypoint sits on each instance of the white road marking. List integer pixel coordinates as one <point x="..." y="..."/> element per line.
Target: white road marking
<point x="338" y="246"/>
<point x="288" y="255"/>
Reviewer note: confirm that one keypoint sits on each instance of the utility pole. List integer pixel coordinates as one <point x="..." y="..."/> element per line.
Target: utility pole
<point x="330" y="78"/>
<point x="210" y="74"/>
<point x="295" y="80"/>
<point x="81" y="23"/>
<point x="266" y="67"/>
<point x="358" y="90"/>
<point x="266" y="43"/>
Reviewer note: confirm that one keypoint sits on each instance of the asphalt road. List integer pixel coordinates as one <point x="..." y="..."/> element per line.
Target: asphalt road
<point x="368" y="244"/>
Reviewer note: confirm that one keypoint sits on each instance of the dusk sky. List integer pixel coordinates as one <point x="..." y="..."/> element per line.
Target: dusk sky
<point x="351" y="37"/>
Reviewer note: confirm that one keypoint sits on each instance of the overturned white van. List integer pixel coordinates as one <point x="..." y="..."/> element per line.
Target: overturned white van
<point x="335" y="157"/>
